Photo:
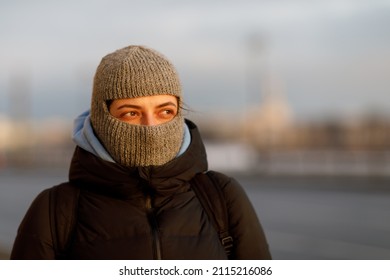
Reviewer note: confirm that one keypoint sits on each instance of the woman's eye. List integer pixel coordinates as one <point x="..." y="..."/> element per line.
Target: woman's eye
<point x="167" y="113"/>
<point x="131" y="114"/>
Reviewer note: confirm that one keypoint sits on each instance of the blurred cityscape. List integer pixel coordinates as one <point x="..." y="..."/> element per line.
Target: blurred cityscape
<point x="264" y="139"/>
<point x="268" y="140"/>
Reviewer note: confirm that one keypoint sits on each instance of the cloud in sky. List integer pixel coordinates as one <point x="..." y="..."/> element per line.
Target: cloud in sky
<point x="331" y="56"/>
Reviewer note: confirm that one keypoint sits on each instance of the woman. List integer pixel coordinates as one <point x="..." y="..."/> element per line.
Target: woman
<point x="133" y="168"/>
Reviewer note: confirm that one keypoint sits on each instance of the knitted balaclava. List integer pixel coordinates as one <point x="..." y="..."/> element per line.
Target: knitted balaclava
<point x="136" y="71"/>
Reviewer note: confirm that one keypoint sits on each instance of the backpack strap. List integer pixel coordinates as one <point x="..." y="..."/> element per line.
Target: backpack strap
<point x="213" y="201"/>
<point x="63" y="215"/>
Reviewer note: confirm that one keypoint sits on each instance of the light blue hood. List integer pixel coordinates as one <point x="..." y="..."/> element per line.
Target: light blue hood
<point x="85" y="138"/>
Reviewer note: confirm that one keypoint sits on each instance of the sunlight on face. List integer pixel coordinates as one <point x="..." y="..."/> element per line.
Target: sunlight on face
<point x="149" y="110"/>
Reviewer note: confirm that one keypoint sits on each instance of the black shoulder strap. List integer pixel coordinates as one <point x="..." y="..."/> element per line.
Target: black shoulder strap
<point x="213" y="201"/>
<point x="63" y="215"/>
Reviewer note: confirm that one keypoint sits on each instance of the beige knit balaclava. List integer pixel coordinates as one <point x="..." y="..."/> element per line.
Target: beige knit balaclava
<point x="136" y="71"/>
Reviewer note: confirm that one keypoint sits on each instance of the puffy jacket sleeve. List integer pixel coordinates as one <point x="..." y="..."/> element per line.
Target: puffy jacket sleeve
<point x="249" y="239"/>
<point x="33" y="240"/>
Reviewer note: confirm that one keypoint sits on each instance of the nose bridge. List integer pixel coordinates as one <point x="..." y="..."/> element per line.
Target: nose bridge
<point x="149" y="118"/>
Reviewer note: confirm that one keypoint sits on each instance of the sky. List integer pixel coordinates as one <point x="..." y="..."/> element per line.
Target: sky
<point x="325" y="57"/>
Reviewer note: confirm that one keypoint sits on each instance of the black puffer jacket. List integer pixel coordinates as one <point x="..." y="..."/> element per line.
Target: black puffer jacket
<point x="143" y="213"/>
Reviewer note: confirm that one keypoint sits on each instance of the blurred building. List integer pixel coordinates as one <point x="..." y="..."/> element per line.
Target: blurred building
<point x="47" y="143"/>
<point x="271" y="141"/>
<point x="267" y="125"/>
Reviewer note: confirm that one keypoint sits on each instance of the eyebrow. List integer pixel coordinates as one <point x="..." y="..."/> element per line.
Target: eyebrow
<point x="140" y="107"/>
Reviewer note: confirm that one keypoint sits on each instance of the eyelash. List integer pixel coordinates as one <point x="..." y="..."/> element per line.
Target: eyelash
<point x="169" y="111"/>
<point x="131" y="114"/>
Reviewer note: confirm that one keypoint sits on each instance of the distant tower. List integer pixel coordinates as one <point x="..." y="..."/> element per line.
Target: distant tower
<point x="256" y="68"/>
<point x="267" y="122"/>
<point x="267" y="114"/>
<point x="274" y="112"/>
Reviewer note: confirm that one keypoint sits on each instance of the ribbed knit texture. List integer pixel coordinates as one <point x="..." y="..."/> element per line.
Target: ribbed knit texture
<point x="132" y="72"/>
